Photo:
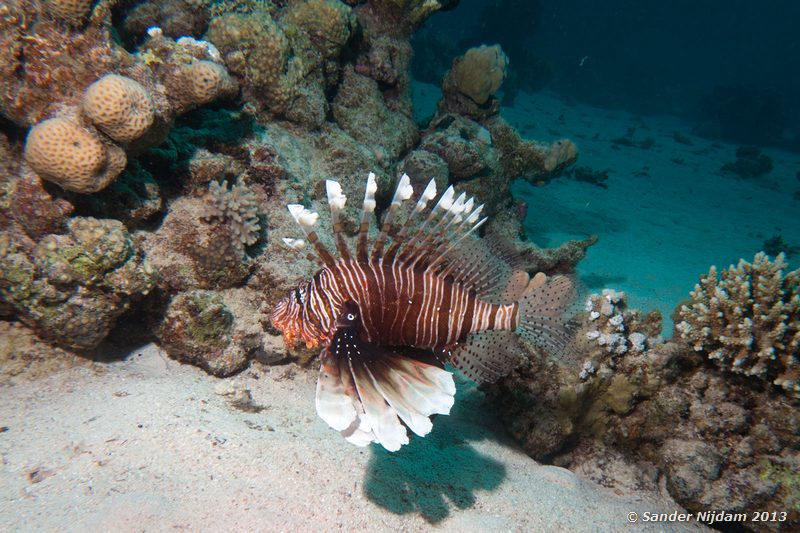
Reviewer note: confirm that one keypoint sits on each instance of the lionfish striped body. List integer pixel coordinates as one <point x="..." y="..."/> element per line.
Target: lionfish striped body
<point x="389" y="319"/>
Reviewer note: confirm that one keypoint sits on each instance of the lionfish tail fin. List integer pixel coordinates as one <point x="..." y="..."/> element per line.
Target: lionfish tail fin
<point x="372" y="394"/>
<point x="542" y="316"/>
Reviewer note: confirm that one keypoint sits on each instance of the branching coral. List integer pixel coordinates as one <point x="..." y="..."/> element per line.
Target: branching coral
<point x="238" y="207"/>
<point x="748" y="320"/>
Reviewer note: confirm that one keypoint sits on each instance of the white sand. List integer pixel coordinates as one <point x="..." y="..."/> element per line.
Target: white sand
<point x="152" y="445"/>
<point x="660" y="232"/>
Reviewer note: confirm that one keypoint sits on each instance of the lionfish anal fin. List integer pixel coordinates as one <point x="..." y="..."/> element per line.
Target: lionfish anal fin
<point x="371" y="393"/>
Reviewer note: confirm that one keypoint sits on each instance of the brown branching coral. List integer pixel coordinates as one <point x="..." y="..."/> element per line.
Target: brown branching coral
<point x="748" y="320"/>
<point x="238" y="207"/>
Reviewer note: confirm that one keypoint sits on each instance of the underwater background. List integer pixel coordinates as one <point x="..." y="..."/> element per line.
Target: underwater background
<point x="648" y="150"/>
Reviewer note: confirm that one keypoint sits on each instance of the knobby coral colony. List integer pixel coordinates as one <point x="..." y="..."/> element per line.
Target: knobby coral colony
<point x="389" y="319"/>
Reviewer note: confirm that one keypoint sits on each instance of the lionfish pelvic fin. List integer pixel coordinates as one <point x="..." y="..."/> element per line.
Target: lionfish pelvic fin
<point x="371" y="394"/>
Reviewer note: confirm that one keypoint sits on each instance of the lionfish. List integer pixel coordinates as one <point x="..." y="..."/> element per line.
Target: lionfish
<point x="389" y="319"/>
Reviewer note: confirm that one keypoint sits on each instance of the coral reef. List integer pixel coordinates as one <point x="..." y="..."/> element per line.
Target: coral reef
<point x="309" y="88"/>
<point x="750" y="163"/>
<point x="25" y="202"/>
<point x="719" y="441"/>
<point x="189" y="252"/>
<point x="216" y="331"/>
<point x="747" y="321"/>
<point x="360" y="110"/>
<point x="71" y="288"/>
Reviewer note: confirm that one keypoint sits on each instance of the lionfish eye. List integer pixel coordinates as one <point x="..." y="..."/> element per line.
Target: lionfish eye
<point x="351" y="316"/>
<point x="297" y="296"/>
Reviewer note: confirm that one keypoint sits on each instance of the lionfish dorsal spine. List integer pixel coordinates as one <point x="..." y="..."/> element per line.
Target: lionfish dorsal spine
<point x="451" y="220"/>
<point x="403" y="192"/>
<point x="336" y="201"/>
<point x="417" y="242"/>
<point x="306" y="220"/>
<point x="427" y="195"/>
<point x="367" y="211"/>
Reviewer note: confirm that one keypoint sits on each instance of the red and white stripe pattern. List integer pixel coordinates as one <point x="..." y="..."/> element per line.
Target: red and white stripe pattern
<point x="401" y="306"/>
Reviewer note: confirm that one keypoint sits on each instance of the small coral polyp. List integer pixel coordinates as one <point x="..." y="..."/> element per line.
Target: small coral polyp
<point x="119" y="106"/>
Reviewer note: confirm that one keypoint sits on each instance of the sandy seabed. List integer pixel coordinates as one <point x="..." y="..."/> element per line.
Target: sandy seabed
<point x="149" y="444"/>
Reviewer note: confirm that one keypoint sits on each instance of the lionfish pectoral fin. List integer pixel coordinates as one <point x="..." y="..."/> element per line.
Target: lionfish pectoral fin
<point x="486" y="356"/>
<point x="334" y="405"/>
<point x="371" y="393"/>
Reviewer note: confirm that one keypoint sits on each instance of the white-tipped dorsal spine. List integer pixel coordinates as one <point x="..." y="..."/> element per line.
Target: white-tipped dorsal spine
<point x="336" y="201"/>
<point x="306" y="220"/>
<point x="427" y="195"/>
<point x="366" y="213"/>
<point x="403" y="192"/>
<point x="422" y="235"/>
<point x="294" y="244"/>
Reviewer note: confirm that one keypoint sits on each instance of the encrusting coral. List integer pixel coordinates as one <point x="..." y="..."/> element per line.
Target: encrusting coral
<point x="480" y="72"/>
<point x="748" y="320"/>
<point x="71" y="288"/>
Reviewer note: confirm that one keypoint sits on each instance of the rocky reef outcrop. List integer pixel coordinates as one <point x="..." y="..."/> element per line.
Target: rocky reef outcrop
<point x="185" y="138"/>
<point x="722" y="438"/>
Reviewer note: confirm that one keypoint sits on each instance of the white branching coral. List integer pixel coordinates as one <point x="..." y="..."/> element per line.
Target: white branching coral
<point x="612" y="326"/>
<point x="614" y="333"/>
<point x="747" y="319"/>
<point x="237" y="207"/>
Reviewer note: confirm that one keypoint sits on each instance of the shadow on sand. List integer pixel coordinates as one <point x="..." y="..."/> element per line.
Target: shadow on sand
<point x="431" y="475"/>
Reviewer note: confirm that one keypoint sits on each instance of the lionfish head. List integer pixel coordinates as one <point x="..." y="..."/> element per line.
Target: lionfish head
<point x="289" y="317"/>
